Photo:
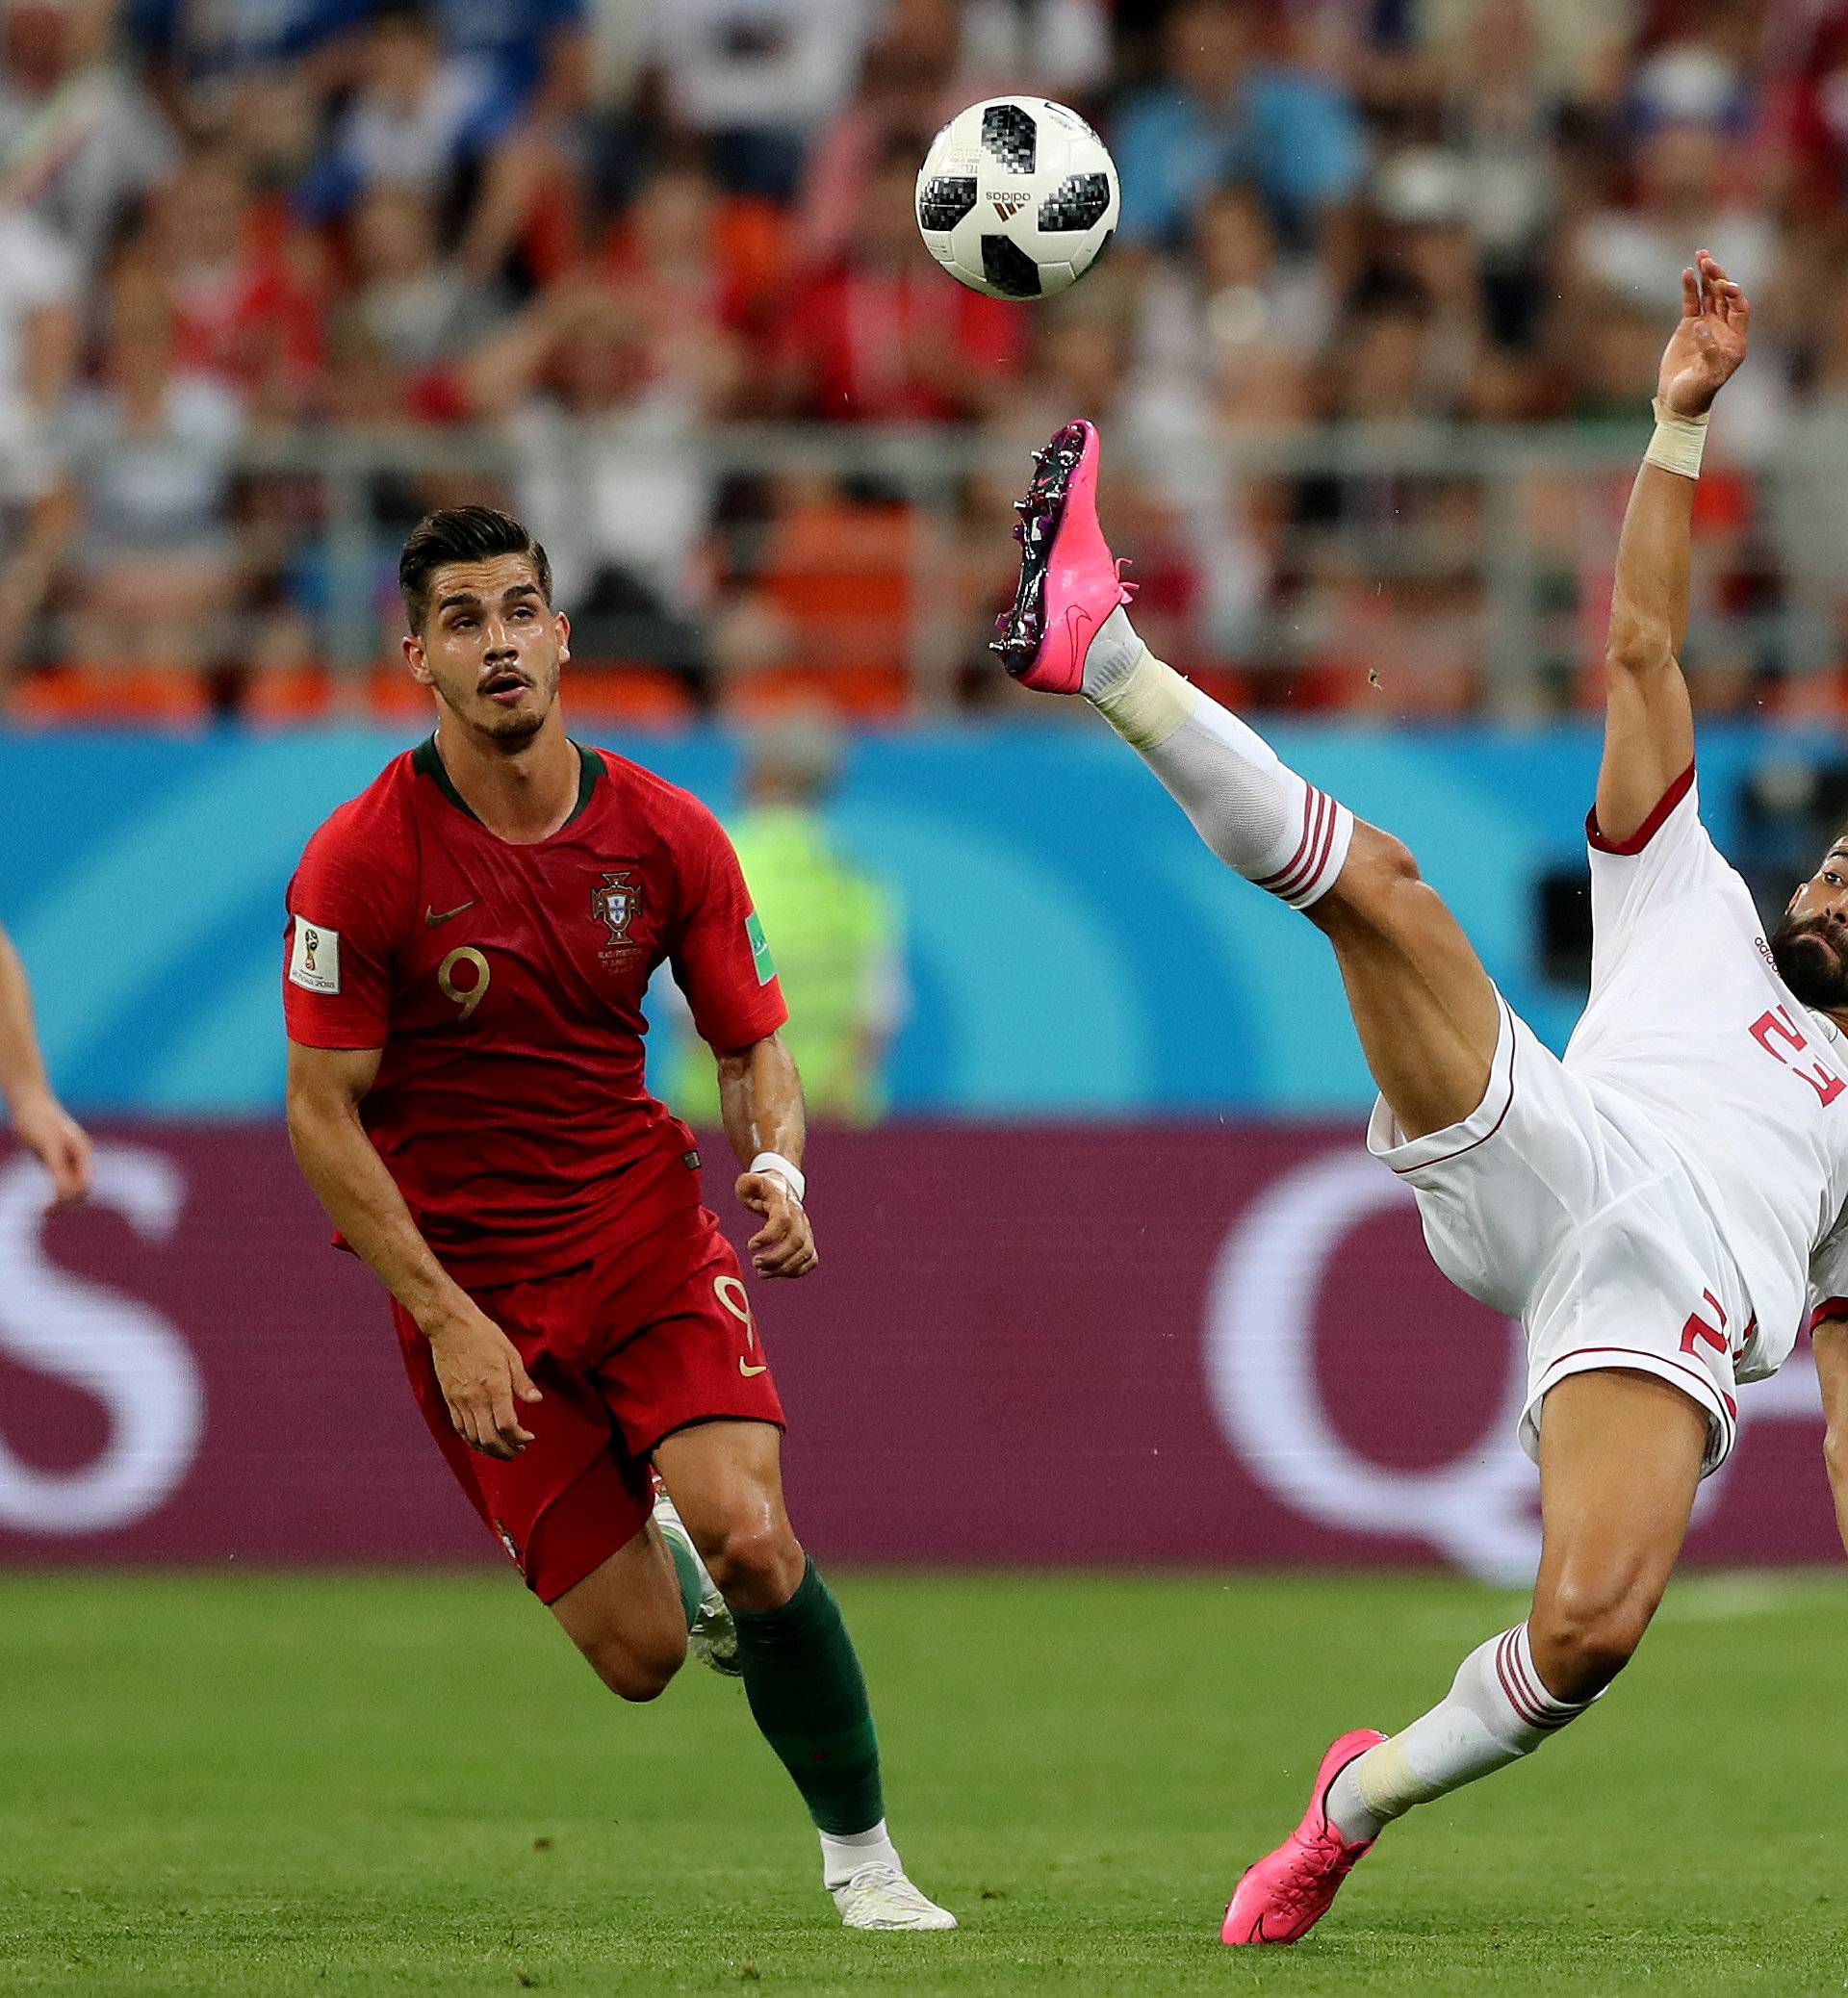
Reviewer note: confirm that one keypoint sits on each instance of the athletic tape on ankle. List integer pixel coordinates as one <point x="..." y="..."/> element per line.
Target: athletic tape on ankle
<point x="790" y="1175"/>
<point x="1387" y="1783"/>
<point x="1149" y="704"/>
<point x="1678" y="443"/>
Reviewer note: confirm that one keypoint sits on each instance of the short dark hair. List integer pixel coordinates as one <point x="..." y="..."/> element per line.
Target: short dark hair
<point x="462" y="534"/>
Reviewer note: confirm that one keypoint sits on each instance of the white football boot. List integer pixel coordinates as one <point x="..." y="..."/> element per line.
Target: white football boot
<point x="879" y="1896"/>
<point x="713" y="1638"/>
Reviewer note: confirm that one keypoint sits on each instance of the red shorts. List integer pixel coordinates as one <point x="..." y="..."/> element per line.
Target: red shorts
<point x="623" y="1349"/>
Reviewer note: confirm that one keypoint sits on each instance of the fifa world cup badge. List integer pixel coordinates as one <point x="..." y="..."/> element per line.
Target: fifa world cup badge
<point x="314" y="957"/>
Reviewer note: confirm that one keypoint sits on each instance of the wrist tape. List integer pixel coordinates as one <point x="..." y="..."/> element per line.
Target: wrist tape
<point x="790" y="1175"/>
<point x="1678" y="443"/>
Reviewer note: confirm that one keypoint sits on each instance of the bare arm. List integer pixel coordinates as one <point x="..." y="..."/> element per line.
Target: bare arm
<point x="477" y="1365"/>
<point x="1649" y="720"/>
<point x="1831" y="1342"/>
<point x="760" y="1100"/>
<point x="43" y="1125"/>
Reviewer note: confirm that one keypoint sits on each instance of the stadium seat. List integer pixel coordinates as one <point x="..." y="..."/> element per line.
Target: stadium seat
<point x="394" y="696"/>
<point x="842" y="575"/>
<point x="623" y="694"/>
<point x="279" y="696"/>
<point x="871" y="693"/>
<point x="98" y="696"/>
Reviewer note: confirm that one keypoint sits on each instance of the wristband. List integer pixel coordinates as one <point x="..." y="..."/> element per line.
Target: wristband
<point x="1678" y="443"/>
<point x="790" y="1175"/>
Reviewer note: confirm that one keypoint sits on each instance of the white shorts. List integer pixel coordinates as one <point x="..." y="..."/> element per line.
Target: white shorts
<point x="1559" y="1207"/>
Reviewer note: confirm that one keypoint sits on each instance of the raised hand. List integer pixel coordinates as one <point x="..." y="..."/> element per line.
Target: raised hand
<point x="1709" y="343"/>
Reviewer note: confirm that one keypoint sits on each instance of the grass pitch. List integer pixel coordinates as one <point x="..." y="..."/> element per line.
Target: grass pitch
<point x="411" y="1785"/>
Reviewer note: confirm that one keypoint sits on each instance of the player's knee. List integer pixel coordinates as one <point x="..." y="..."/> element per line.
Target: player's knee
<point x="637" y="1670"/>
<point x="638" y="1680"/>
<point x="758" y="1563"/>
<point x="1377" y="876"/>
<point x="1586" y="1632"/>
<point x="1379" y="860"/>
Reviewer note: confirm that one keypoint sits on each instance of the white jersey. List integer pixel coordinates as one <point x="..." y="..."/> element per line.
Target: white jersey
<point x="1690" y="1035"/>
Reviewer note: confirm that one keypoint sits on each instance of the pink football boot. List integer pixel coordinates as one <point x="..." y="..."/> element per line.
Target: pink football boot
<point x="1288" y="1892"/>
<point x="1069" y="582"/>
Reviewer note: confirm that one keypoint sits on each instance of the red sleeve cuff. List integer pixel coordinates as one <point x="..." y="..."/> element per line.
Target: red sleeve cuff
<point x="1650" y="827"/>
<point x="747" y="1029"/>
<point x="1828" y="1311"/>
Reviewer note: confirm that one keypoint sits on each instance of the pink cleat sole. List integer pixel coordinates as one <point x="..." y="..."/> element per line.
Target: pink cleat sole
<point x="1069" y="580"/>
<point x="1287" y="1891"/>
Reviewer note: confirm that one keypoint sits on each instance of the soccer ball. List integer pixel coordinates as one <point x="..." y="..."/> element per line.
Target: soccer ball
<point x="1018" y="197"/>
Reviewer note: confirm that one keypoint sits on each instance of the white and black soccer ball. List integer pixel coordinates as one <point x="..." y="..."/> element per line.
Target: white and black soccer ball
<point x="1018" y="197"/>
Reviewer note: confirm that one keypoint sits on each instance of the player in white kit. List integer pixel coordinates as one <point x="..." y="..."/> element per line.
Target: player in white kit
<point x="1661" y="1208"/>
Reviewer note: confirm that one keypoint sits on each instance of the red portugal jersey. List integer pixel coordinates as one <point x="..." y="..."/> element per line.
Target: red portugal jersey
<point x="504" y="984"/>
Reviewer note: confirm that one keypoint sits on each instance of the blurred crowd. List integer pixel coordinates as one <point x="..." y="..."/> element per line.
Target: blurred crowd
<point x="1372" y="349"/>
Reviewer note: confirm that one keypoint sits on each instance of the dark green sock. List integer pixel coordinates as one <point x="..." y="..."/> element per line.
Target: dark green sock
<point x="808" y="1698"/>
<point x="686" y="1572"/>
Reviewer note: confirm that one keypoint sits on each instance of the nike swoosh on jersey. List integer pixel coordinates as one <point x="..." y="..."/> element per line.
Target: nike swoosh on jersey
<point x="748" y="1372"/>
<point x="431" y="917"/>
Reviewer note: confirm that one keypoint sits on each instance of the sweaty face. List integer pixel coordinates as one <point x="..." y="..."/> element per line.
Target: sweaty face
<point x="491" y="648"/>
<point x="1810" y="945"/>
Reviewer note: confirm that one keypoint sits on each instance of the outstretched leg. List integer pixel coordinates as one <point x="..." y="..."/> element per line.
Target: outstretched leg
<point x="1426" y="1012"/>
<point x="1424" y="1008"/>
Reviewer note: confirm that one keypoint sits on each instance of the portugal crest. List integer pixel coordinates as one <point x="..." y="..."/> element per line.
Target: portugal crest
<point x="614" y="901"/>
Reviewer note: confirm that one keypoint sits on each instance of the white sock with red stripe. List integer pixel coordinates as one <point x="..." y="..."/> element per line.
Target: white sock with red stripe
<point x="1496" y="1710"/>
<point x="1259" y="816"/>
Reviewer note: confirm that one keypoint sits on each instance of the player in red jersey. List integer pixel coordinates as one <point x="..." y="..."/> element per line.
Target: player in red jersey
<point x="469" y="942"/>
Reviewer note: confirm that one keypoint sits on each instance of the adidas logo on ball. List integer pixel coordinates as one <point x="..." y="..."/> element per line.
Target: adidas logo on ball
<point x="1007" y="206"/>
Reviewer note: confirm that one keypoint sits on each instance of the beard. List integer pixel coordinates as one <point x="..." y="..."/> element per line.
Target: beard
<point x="1809" y="960"/>
<point x="506" y="729"/>
<point x="513" y="732"/>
